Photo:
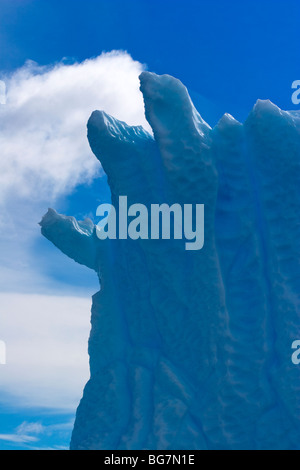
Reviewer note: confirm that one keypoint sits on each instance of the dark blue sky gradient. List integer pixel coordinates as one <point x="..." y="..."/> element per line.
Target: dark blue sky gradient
<point x="231" y="52"/>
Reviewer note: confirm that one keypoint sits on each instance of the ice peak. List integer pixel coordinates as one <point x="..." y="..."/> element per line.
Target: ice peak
<point x="190" y="350"/>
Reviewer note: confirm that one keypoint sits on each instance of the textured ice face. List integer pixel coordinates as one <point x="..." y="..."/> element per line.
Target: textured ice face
<point x="192" y="349"/>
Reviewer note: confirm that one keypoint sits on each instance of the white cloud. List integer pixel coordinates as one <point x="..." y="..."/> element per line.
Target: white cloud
<point x="44" y="153"/>
<point x="30" y="428"/>
<point x="38" y="428"/>
<point x="17" y="438"/>
<point x="44" y="149"/>
<point x="46" y="346"/>
<point x="28" y="433"/>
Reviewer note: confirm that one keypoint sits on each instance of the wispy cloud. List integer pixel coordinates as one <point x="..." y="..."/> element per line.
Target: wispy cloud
<point x="26" y="428"/>
<point x="30" y="435"/>
<point x="46" y="351"/>
<point x="44" y="154"/>
<point x="44" y="149"/>
<point x="18" y="438"/>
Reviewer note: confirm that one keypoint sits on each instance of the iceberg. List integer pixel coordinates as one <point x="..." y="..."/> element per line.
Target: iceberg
<point x="192" y="349"/>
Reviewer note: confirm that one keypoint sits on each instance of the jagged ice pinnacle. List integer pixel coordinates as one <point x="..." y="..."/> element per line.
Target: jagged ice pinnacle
<point x="191" y="349"/>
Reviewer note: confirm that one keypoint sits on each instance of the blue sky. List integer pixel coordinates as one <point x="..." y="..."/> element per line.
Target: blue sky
<point x="228" y="54"/>
<point x="231" y="52"/>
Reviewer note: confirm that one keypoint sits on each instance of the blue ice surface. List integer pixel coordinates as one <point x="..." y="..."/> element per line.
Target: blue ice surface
<point x="192" y="349"/>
